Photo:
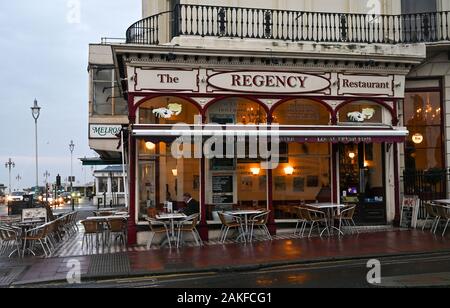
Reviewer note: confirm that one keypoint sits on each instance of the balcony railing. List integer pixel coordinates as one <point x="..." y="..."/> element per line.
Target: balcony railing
<point x="295" y="26"/>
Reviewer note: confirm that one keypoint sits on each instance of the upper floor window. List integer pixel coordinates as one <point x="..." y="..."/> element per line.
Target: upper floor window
<point x="107" y="97"/>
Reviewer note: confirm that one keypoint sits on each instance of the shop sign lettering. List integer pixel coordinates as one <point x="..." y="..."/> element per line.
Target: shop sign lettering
<point x="104" y="131"/>
<point x="269" y="82"/>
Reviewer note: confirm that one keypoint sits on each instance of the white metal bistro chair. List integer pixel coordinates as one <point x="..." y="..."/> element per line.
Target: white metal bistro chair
<point x="9" y="241"/>
<point x="432" y="214"/>
<point x="301" y="222"/>
<point x="230" y="222"/>
<point x="314" y="218"/>
<point x="158" y="227"/>
<point x="189" y="225"/>
<point x="260" y="221"/>
<point x="444" y="213"/>
<point x="345" y="217"/>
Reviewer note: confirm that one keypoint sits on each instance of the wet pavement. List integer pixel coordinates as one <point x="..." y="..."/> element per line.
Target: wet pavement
<point x="234" y="258"/>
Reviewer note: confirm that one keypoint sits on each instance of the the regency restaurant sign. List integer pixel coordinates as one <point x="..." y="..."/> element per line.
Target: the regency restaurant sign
<point x="209" y="81"/>
<point x="269" y="82"/>
<point x="104" y="131"/>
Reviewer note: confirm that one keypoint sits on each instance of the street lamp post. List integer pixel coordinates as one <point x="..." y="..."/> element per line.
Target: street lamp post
<point x="111" y="177"/>
<point x="18" y="178"/>
<point x="35" y="112"/>
<point x="10" y="164"/>
<point x="71" y="148"/>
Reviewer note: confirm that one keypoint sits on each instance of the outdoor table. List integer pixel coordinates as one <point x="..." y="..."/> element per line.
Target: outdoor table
<point x="120" y="214"/>
<point x="329" y="207"/>
<point x="171" y="218"/>
<point x="105" y="218"/>
<point x="445" y="202"/>
<point x="246" y="214"/>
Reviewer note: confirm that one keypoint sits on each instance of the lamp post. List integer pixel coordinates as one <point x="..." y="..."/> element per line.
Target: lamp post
<point x="18" y="178"/>
<point x="111" y="177"/>
<point x="10" y="164"/>
<point x="46" y="176"/>
<point x="71" y="148"/>
<point x="35" y="112"/>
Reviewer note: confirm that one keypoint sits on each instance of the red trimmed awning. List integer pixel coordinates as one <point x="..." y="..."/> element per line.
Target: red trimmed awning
<point x="303" y="134"/>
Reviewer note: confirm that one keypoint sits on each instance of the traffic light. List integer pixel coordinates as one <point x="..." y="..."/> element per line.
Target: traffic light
<point x="58" y="181"/>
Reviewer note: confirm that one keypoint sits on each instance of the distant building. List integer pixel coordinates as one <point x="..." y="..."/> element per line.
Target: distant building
<point x="2" y="190"/>
<point x="109" y="187"/>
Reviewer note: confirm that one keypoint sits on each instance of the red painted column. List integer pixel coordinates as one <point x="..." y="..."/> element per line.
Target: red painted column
<point x="334" y="170"/>
<point x="203" y="228"/>
<point x="132" y="228"/>
<point x="271" y="223"/>
<point x="397" y="185"/>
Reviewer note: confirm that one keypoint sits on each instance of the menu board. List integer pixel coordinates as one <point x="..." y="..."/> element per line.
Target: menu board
<point x="222" y="199"/>
<point x="222" y="184"/>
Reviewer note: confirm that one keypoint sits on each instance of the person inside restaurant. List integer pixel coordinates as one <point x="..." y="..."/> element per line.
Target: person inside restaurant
<point x="192" y="205"/>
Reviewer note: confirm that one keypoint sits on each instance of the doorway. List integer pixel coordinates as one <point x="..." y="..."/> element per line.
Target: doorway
<point x="362" y="180"/>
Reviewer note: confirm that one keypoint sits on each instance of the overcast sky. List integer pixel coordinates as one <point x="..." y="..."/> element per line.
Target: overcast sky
<point x="44" y="55"/>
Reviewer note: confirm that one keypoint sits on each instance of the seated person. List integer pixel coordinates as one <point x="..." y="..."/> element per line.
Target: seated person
<point x="192" y="205"/>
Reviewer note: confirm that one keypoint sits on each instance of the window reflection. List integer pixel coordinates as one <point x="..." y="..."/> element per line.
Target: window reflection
<point x="423" y="117"/>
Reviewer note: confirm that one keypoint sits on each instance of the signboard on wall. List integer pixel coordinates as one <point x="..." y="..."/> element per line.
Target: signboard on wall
<point x="210" y="81"/>
<point x="223" y="192"/>
<point x="269" y="82"/>
<point x="104" y="131"/>
<point x="147" y="79"/>
<point x="365" y="85"/>
<point x="222" y="184"/>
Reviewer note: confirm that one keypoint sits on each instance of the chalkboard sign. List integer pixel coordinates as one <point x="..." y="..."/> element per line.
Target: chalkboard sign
<point x="223" y="164"/>
<point x="222" y="199"/>
<point x="222" y="184"/>
<point x="409" y="212"/>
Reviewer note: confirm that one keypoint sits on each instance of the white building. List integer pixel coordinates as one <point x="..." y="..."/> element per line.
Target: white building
<point x="333" y="74"/>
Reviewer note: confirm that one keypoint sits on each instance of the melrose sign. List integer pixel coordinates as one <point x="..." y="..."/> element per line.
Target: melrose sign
<point x="104" y="131"/>
<point x="269" y="82"/>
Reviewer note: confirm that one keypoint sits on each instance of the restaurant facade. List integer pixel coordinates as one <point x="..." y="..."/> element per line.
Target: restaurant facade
<point x="263" y="108"/>
<point x="333" y="121"/>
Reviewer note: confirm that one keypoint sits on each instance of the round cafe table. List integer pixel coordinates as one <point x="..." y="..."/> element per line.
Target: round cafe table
<point x="245" y="214"/>
<point x="171" y="217"/>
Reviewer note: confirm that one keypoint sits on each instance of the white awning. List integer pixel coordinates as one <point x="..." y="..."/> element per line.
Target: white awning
<point x="285" y="133"/>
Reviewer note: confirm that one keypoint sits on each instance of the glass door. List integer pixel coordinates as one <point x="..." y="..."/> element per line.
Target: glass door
<point x="362" y="181"/>
<point x="147" y="188"/>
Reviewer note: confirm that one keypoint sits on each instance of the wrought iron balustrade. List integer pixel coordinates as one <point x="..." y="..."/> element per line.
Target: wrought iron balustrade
<point x="295" y="26"/>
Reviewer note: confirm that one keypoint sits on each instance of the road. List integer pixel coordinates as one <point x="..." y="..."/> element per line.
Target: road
<point x="413" y="271"/>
